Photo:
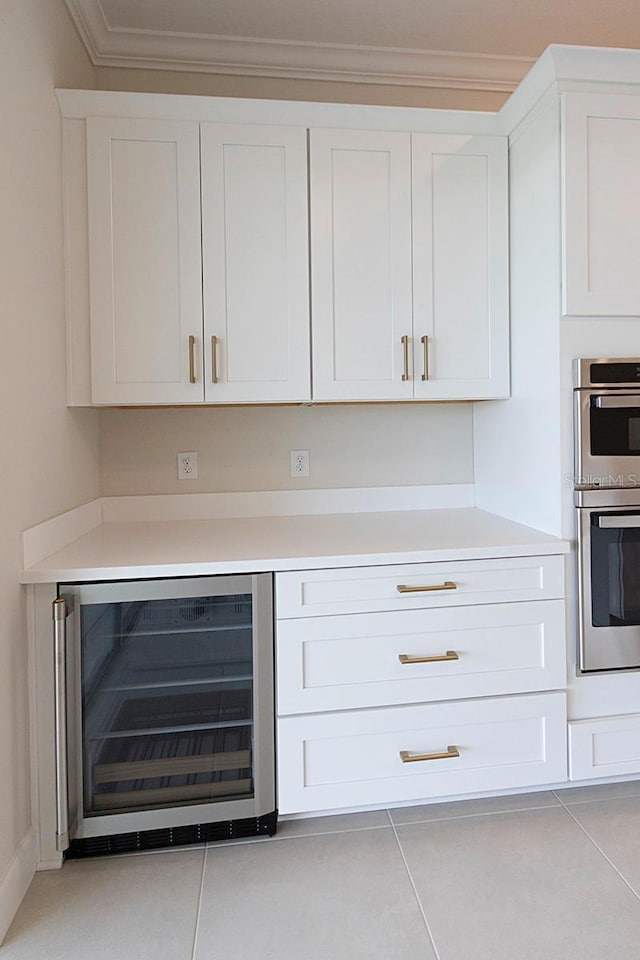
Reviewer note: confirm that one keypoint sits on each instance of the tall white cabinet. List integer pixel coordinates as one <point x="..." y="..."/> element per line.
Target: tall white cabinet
<point x="575" y="292"/>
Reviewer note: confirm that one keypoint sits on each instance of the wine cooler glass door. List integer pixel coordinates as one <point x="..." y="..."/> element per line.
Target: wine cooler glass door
<point x="170" y="701"/>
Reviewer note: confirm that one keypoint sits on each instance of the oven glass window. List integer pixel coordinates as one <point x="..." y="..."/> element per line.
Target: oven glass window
<point x="615" y="432"/>
<point x="615" y="569"/>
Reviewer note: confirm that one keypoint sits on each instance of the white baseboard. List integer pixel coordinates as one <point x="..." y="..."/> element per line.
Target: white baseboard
<point x="15" y="882"/>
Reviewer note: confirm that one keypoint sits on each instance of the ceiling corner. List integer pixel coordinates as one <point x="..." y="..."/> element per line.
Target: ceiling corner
<point x="113" y="46"/>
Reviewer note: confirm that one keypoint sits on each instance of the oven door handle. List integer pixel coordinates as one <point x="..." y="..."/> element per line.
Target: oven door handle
<point x="630" y="520"/>
<point x="626" y="400"/>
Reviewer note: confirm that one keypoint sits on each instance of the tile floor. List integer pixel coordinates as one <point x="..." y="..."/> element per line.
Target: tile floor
<point x="552" y="875"/>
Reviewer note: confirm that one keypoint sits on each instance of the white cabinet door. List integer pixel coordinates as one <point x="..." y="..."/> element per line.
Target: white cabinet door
<point x="460" y="266"/>
<point x="601" y="188"/>
<point x="347" y="759"/>
<point x="361" y="264"/>
<point x="604" y="747"/>
<point x="145" y="261"/>
<point x="412" y="586"/>
<point x="255" y="263"/>
<point x="374" y="659"/>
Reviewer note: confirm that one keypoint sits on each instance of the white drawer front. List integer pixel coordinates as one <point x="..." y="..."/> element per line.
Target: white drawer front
<point x="329" y="761"/>
<point x="336" y="663"/>
<point x="604" y="747"/>
<point x="312" y="593"/>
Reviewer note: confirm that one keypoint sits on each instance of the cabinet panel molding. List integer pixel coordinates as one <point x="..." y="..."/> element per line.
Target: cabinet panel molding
<point x="255" y="263"/>
<point x="604" y="747"/>
<point x="341" y="663"/>
<point x="361" y="264"/>
<point x="319" y="593"/>
<point x="601" y="229"/>
<point x="346" y="759"/>
<point x="460" y="266"/>
<point x="144" y="261"/>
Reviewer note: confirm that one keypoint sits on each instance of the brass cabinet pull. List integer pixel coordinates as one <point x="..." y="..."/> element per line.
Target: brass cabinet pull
<point x="192" y="359"/>
<point x="447" y="585"/>
<point x="440" y="658"/>
<point x="405" y="356"/>
<point x="214" y="360"/>
<point x="450" y="754"/>
<point x="425" y="353"/>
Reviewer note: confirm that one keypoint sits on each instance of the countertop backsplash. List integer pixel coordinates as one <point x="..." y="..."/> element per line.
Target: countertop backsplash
<point x="247" y="448"/>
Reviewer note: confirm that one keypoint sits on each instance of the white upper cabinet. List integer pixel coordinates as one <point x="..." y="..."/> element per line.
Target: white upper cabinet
<point x="385" y="206"/>
<point x="255" y="263"/>
<point x="154" y="249"/>
<point x="232" y="260"/>
<point x="460" y="266"/>
<point x="601" y="209"/>
<point x="361" y="264"/>
<point x="144" y="261"/>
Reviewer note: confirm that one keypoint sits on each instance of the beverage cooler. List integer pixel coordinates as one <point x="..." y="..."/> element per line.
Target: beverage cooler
<point x="164" y="720"/>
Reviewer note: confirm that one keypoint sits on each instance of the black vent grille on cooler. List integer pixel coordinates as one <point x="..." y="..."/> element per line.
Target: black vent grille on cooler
<point x="174" y="836"/>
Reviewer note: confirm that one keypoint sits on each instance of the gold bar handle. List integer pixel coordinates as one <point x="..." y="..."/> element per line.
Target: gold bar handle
<point x="447" y="585"/>
<point x="425" y="353"/>
<point x="192" y="359"/>
<point x="408" y="658"/>
<point x="405" y="356"/>
<point x="214" y="359"/>
<point x="450" y="754"/>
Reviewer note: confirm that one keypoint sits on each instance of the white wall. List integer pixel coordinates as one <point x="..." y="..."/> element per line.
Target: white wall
<point x="518" y="466"/>
<point x="49" y="455"/>
<point x="245" y="448"/>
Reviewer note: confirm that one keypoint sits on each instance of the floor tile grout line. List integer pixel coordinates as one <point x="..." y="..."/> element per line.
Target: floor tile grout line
<point x="404" y="823"/>
<point x="601" y="852"/>
<point x="603" y="799"/>
<point x="469" y="816"/>
<point x="415" y="893"/>
<point x="199" y="907"/>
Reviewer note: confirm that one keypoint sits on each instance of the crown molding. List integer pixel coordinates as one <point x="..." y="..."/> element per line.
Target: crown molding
<point x="113" y="47"/>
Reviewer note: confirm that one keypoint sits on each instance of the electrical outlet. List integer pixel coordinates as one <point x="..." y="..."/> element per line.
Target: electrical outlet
<point x="188" y="466"/>
<point x="299" y="462"/>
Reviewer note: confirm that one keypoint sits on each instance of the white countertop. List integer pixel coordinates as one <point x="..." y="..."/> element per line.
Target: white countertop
<point x="178" y="548"/>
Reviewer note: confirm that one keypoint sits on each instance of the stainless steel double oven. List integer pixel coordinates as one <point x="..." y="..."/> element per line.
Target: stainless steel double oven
<point x="607" y="498"/>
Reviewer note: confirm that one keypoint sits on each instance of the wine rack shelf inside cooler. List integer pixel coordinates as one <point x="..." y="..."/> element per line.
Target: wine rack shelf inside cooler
<point x="168" y="702"/>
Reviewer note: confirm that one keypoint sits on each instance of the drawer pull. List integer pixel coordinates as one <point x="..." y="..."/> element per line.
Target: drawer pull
<point x="408" y="658"/>
<point x="449" y="754"/>
<point x="447" y="585"/>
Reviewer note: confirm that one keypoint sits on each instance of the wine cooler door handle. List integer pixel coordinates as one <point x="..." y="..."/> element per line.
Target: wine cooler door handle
<point x="60" y="722"/>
